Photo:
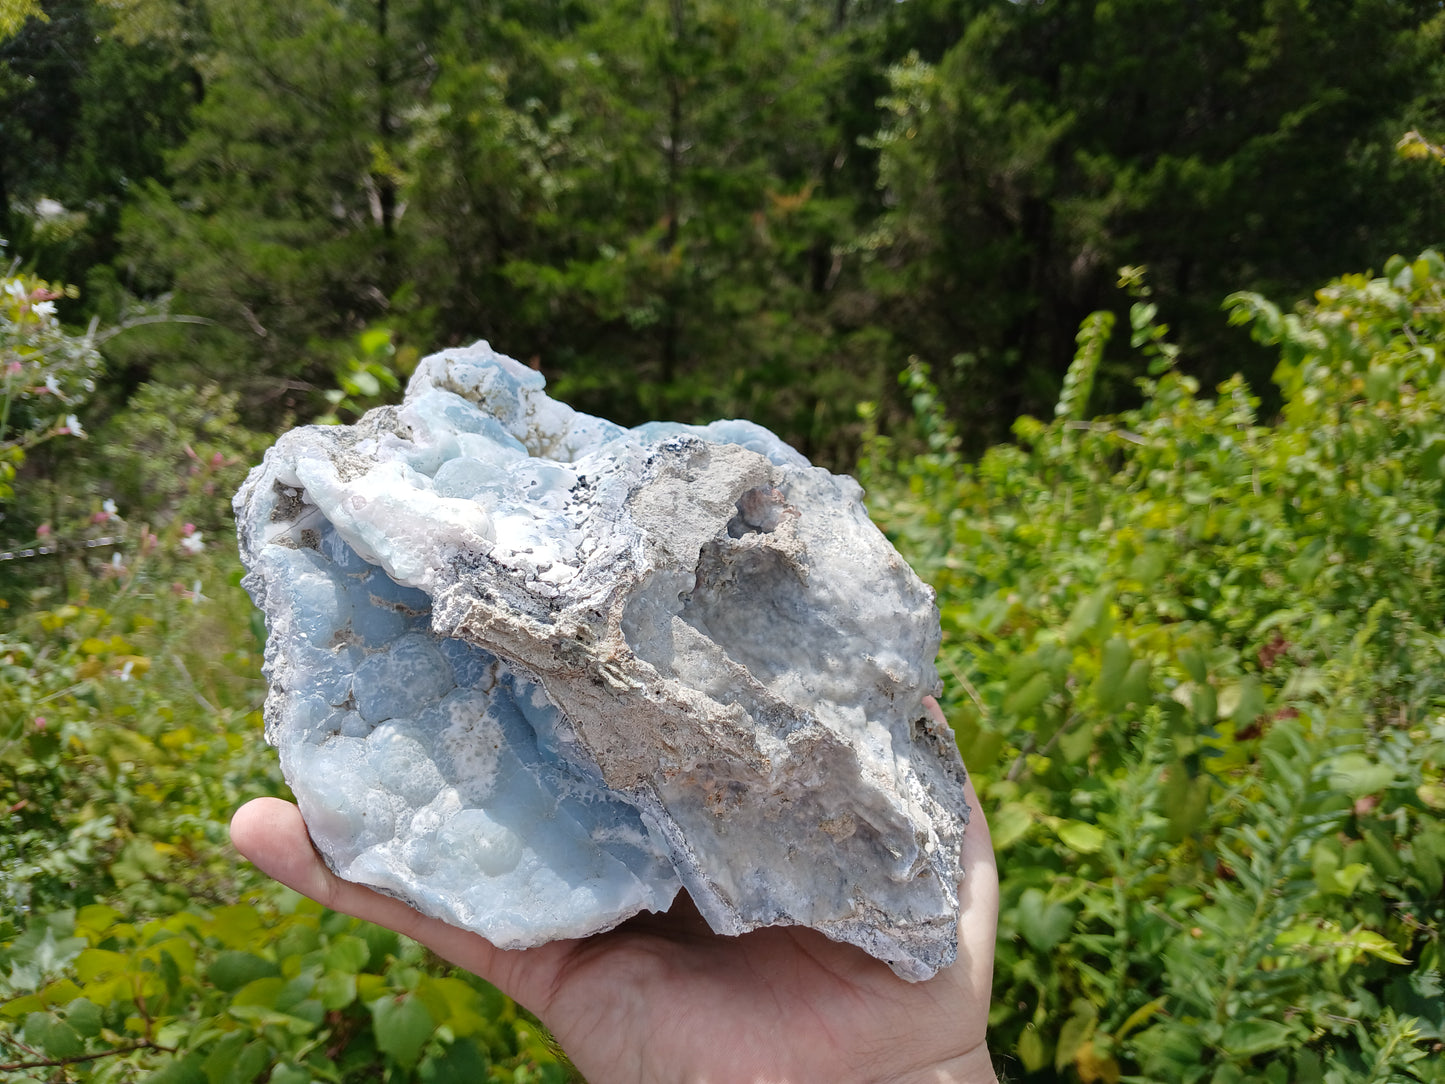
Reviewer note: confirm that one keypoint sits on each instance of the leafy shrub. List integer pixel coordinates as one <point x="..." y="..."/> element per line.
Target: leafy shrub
<point x="273" y="987"/>
<point x="1194" y="662"/>
<point x="46" y="371"/>
<point x="174" y="456"/>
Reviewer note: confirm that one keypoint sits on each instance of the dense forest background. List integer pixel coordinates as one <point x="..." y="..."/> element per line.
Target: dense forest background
<point x="1125" y="312"/>
<point x="693" y="209"/>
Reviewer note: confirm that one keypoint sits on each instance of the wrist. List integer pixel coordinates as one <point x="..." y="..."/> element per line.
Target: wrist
<point x="973" y="1067"/>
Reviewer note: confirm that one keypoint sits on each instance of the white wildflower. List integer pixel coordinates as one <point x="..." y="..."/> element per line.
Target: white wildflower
<point x="52" y="385"/>
<point x="72" y="423"/>
<point x="192" y="544"/>
<point x="108" y="506"/>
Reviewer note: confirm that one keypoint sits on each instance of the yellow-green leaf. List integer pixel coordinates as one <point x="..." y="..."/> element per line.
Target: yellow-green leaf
<point x="1081" y="838"/>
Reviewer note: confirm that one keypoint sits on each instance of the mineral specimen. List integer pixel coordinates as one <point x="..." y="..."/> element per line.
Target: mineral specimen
<point x="533" y="672"/>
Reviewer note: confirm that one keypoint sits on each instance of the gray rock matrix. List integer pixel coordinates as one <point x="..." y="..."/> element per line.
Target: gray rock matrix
<point x="533" y="672"/>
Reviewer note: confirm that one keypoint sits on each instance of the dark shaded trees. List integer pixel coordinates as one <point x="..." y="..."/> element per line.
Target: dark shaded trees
<point x="1218" y="144"/>
<point x="279" y="224"/>
<point x="704" y="220"/>
<point x="692" y="208"/>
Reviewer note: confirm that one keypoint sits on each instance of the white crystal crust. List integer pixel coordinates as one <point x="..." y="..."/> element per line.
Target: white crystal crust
<point x="533" y="672"/>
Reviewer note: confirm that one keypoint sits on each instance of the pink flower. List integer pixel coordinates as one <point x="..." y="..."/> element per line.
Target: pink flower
<point x="43" y="531"/>
<point x="218" y="460"/>
<point x="188" y="529"/>
<point x="40" y="722"/>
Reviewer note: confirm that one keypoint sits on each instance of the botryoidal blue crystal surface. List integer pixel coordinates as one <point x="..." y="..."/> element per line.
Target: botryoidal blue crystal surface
<point x="533" y="672"/>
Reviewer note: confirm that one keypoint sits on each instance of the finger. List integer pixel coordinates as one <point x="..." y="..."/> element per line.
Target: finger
<point x="978" y="842"/>
<point x="978" y="892"/>
<point x="273" y="836"/>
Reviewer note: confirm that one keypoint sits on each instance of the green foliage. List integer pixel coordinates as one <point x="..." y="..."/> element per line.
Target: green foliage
<point x="13" y="14"/>
<point x="88" y="116"/>
<point x="113" y="776"/>
<point x="695" y="208"/>
<point x="46" y="372"/>
<point x="1194" y="664"/>
<point x="271" y="987"/>
<point x="704" y="283"/>
<point x="369" y="376"/>
<point x="1028" y="149"/>
<point x="172" y="455"/>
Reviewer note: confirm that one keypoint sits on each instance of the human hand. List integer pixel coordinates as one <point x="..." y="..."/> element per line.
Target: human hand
<point x="662" y="998"/>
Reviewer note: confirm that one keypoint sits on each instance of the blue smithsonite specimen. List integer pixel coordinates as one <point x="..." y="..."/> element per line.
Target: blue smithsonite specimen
<point x="533" y="672"/>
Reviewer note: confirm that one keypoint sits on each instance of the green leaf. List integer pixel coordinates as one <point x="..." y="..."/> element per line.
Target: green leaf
<point x="1205" y="705"/>
<point x="85" y="1017"/>
<point x="1022" y="702"/>
<point x="460" y="1063"/>
<point x="1114" y="663"/>
<point x="1136" y="683"/>
<point x="1140" y="1016"/>
<point x="336" y="989"/>
<point x="1432" y="794"/>
<point x="1082" y="838"/>
<point x="347" y="953"/>
<point x="1382" y="382"/>
<point x="1427" y="850"/>
<point x="1242" y="701"/>
<point x="261" y="993"/>
<point x="1090" y="614"/>
<point x="1076" y="1031"/>
<point x="1077" y="743"/>
<point x="363" y="383"/>
<point x="1009" y="823"/>
<point x="1432" y="452"/>
<point x="375" y="340"/>
<point x="1192" y="659"/>
<point x="1357" y="775"/>
<point x="1249" y="1037"/>
<point x="52" y="1035"/>
<point x="403" y="1025"/>
<point x="1377" y="945"/>
<point x="382" y="942"/>
<point x="1043" y="923"/>
<point x="1031" y="1050"/>
<point x="180" y="1070"/>
<point x="234" y="1061"/>
<point x="233" y="969"/>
